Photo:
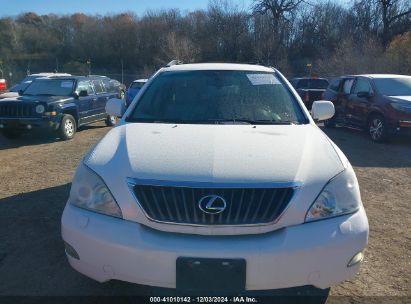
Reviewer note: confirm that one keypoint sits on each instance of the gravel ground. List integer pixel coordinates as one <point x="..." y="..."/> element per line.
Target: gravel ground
<point x="35" y="176"/>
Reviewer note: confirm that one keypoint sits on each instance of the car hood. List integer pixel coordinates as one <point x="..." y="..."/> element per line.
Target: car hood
<point x="216" y="154"/>
<point x="39" y="98"/>
<point x="9" y="95"/>
<point x="400" y="98"/>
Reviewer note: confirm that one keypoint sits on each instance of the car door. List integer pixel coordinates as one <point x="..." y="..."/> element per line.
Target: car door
<point x="85" y="102"/>
<point x="359" y="101"/>
<point x="342" y="98"/>
<point x="102" y="98"/>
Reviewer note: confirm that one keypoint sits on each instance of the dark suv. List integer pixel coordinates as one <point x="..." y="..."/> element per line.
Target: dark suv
<point x="59" y="104"/>
<point x="380" y="104"/>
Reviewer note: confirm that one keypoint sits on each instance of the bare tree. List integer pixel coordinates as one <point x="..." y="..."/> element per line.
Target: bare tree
<point x="392" y="11"/>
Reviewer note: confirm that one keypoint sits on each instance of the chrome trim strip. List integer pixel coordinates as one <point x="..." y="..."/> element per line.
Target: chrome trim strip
<point x="191" y="184"/>
<point x="131" y="182"/>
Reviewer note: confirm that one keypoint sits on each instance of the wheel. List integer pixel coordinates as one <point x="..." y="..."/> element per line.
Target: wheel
<point x="67" y="127"/>
<point x="111" y="121"/>
<point x="11" y="133"/>
<point x="377" y="128"/>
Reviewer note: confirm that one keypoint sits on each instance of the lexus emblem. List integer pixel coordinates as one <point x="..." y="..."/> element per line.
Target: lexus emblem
<point x="212" y="204"/>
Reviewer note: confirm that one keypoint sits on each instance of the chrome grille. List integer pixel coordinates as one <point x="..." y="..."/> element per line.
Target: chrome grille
<point x="17" y="110"/>
<point x="245" y="206"/>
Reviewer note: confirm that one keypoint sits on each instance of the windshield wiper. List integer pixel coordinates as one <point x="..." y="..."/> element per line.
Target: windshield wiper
<point x="254" y="122"/>
<point x="216" y="121"/>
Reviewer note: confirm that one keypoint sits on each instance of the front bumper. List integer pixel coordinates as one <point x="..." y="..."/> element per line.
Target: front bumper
<point x="315" y="253"/>
<point x="29" y="123"/>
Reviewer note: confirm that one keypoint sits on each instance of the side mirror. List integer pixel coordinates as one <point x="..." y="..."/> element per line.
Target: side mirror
<point x="364" y="94"/>
<point x="20" y="92"/>
<point x="115" y="107"/>
<point x="322" y="110"/>
<point x="75" y="95"/>
<point x="83" y="93"/>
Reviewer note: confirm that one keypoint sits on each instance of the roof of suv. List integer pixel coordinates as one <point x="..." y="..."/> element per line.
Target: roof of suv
<point x="49" y="74"/>
<point x="218" y="66"/>
<point x="376" y="76"/>
<point x="75" y="77"/>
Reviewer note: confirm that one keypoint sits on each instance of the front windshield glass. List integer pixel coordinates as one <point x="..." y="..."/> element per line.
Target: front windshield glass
<point x="400" y="86"/>
<point x="50" y="87"/>
<point x="210" y="97"/>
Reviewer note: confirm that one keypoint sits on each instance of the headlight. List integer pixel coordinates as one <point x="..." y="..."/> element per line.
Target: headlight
<point x="88" y="191"/>
<point x="402" y="107"/>
<point x="340" y="196"/>
<point x="40" y="109"/>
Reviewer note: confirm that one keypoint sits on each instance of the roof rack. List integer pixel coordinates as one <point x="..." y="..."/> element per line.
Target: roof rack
<point x="174" y="62"/>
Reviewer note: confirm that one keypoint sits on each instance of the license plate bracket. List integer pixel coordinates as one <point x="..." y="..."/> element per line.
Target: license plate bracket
<point x="211" y="274"/>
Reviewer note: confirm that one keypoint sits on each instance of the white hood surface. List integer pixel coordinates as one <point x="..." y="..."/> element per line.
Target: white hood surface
<point x="215" y="154"/>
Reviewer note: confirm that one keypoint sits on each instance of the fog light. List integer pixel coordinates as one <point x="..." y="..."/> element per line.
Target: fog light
<point x="1" y="126"/>
<point x="29" y="127"/>
<point x="356" y="259"/>
<point x="71" y="251"/>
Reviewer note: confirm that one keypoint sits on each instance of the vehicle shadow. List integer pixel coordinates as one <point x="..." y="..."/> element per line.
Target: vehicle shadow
<point x="33" y="261"/>
<point x="362" y="152"/>
<point x="38" y="138"/>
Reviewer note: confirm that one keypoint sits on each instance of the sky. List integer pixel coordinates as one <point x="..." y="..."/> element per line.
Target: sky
<point x="102" y="7"/>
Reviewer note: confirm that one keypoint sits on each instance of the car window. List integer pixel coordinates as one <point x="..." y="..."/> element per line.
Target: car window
<point x="294" y="82"/>
<point x="136" y="85"/>
<point x="318" y="84"/>
<point x="215" y="96"/>
<point x="302" y="84"/>
<point x="85" y="86"/>
<point x="348" y="85"/>
<point x="50" y="87"/>
<point x="335" y="84"/>
<point x="312" y="83"/>
<point x="98" y="86"/>
<point x="400" y="86"/>
<point x="361" y="85"/>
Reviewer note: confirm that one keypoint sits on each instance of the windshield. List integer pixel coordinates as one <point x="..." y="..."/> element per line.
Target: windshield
<point x="211" y="97"/>
<point x="51" y="87"/>
<point x="312" y="84"/>
<point x="400" y="86"/>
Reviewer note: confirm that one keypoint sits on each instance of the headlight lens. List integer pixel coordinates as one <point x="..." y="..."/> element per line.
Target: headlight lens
<point x="40" y="109"/>
<point x="340" y="196"/>
<point x="88" y="191"/>
<point x="402" y="107"/>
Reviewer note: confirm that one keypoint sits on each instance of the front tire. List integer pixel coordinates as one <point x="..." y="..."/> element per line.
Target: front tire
<point x="377" y="128"/>
<point x="111" y="121"/>
<point x="67" y="128"/>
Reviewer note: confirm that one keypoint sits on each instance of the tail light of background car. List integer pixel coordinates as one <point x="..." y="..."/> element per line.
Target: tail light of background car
<point x="3" y="85"/>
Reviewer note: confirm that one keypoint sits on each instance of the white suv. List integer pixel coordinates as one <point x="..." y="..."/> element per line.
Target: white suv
<point x="216" y="178"/>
